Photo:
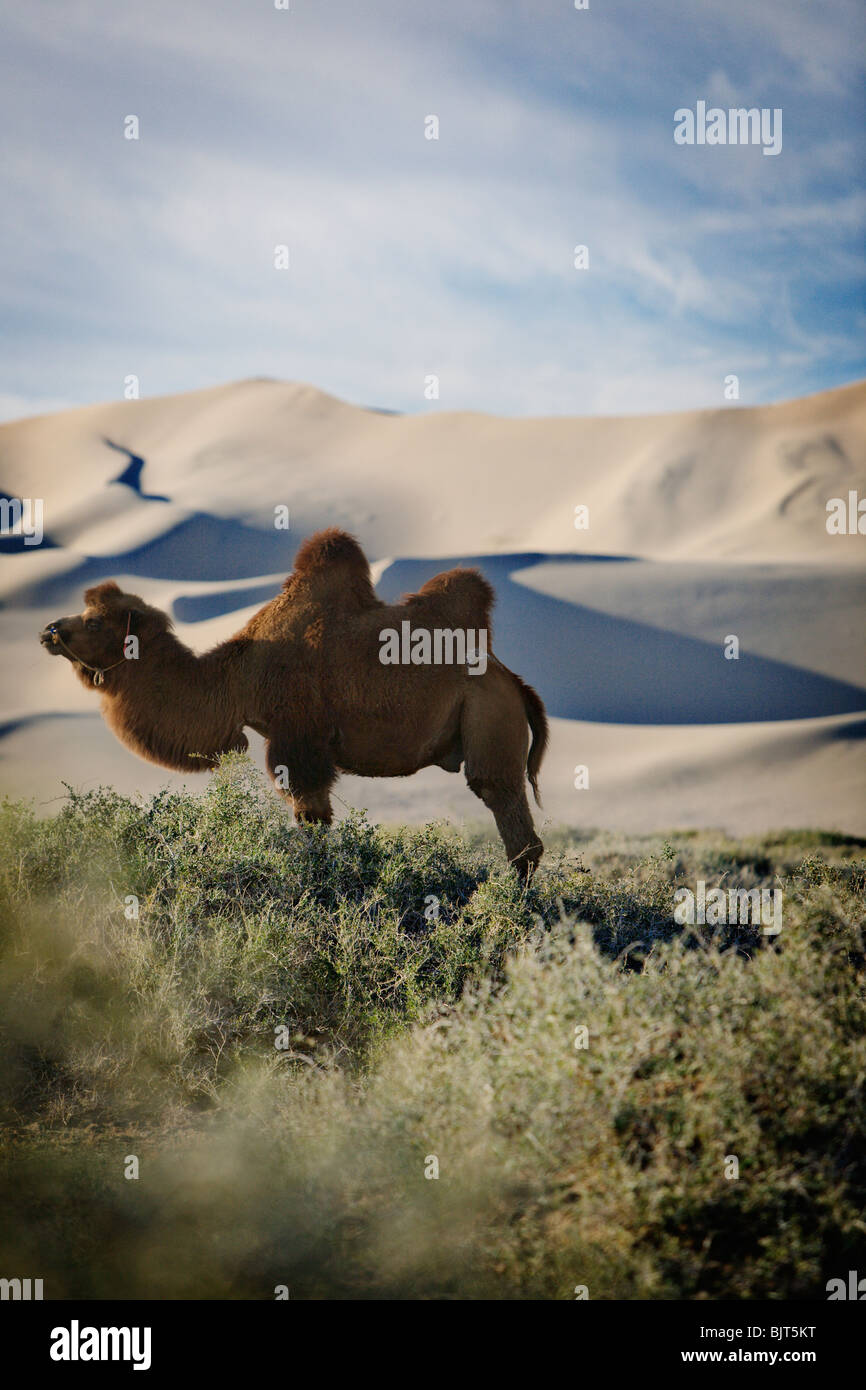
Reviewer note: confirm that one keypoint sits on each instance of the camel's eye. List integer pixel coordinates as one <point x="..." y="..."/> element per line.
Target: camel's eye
<point x="93" y="624"/>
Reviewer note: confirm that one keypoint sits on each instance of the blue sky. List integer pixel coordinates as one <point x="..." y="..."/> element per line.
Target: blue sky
<point x="412" y="257"/>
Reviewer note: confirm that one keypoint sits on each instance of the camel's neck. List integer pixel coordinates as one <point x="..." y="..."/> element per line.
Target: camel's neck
<point x="175" y="708"/>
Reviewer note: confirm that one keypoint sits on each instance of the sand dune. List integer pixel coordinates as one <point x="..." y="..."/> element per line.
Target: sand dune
<point x="701" y="525"/>
<point x="746" y="482"/>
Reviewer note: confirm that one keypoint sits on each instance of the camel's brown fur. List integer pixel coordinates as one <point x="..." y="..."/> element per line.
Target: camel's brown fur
<point x="305" y="673"/>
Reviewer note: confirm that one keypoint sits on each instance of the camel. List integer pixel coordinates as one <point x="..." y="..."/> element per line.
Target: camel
<point x="309" y="673"/>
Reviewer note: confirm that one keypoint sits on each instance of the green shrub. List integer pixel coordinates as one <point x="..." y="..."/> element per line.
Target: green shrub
<point x="426" y="1009"/>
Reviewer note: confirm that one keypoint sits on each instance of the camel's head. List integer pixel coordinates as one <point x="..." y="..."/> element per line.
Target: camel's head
<point x="94" y="640"/>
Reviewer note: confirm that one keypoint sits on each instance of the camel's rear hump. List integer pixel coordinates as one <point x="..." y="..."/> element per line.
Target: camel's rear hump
<point x="458" y="598"/>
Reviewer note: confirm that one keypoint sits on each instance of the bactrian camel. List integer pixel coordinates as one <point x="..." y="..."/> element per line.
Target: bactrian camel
<point x="308" y="674"/>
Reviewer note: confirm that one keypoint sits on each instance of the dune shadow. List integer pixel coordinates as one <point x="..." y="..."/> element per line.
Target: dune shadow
<point x="588" y="665"/>
<point x="199" y="548"/>
<point x="131" y="475"/>
<point x="856" y="730"/>
<point x="198" y="608"/>
<point x="26" y="721"/>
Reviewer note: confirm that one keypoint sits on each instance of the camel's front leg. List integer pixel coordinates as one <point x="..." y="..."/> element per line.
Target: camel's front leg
<point x="303" y="772"/>
<point x="313" y="808"/>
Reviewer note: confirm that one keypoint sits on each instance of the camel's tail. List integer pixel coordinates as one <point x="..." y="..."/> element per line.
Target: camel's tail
<point x="537" y="718"/>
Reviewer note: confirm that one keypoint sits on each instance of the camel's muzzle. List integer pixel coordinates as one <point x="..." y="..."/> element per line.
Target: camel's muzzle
<point x="51" y="638"/>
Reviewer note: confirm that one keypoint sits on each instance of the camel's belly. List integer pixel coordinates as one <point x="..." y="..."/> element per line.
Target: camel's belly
<point x="378" y="766"/>
<point x="378" y="758"/>
<point x="383" y="748"/>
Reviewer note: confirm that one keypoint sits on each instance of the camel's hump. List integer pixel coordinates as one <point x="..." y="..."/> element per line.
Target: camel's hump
<point x="332" y="563"/>
<point x="463" y="597"/>
<point x="327" y="550"/>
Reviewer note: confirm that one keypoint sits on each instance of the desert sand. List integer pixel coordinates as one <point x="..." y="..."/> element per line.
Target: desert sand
<point x="702" y="526"/>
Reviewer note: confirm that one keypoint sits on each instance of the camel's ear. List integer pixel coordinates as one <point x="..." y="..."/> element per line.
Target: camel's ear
<point x="135" y="607"/>
<point x="101" y="592"/>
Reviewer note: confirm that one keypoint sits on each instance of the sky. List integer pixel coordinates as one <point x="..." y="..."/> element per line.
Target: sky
<point x="411" y="258"/>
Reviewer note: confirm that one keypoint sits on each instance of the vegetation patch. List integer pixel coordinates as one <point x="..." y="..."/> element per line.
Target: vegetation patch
<point x="364" y="1062"/>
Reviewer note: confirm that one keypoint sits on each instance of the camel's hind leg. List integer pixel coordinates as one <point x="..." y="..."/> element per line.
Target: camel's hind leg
<point x="495" y="738"/>
<point x="514" y="823"/>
